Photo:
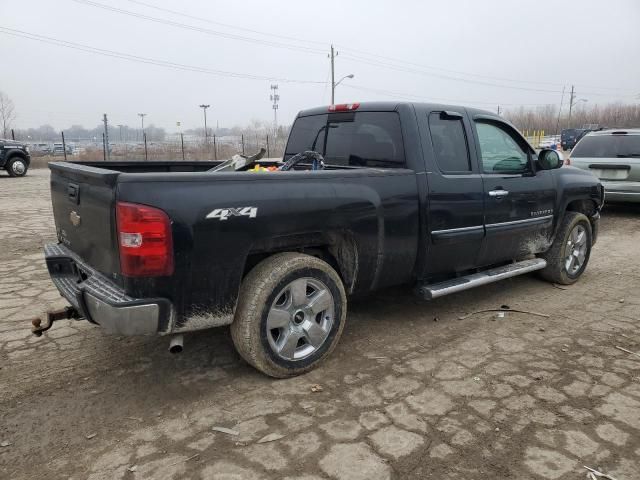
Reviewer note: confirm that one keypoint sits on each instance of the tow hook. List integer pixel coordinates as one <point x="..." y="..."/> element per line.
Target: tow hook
<point x="53" y="315"/>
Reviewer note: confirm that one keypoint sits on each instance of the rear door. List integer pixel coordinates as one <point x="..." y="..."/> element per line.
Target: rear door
<point x="83" y="200"/>
<point x="518" y="200"/>
<point x="455" y="193"/>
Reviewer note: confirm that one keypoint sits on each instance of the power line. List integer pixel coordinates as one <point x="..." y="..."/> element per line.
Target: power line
<point x="429" y="67"/>
<point x="408" y="96"/>
<point x="315" y="50"/>
<point x="146" y="60"/>
<point x="356" y="58"/>
<point x="235" y="27"/>
<point x="200" y="29"/>
<point x="443" y="76"/>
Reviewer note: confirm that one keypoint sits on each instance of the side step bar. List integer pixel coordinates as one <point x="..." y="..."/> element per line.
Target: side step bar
<point x="435" y="290"/>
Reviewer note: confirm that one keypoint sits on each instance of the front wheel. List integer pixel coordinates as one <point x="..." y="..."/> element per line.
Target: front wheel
<point x="290" y="315"/>
<point x="569" y="254"/>
<point x="17" y="167"/>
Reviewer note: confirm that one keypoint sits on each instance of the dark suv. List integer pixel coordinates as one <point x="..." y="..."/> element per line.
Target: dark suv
<point x="14" y="157"/>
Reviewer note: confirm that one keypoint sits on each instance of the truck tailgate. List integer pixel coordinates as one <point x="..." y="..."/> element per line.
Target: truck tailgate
<point x="83" y="201"/>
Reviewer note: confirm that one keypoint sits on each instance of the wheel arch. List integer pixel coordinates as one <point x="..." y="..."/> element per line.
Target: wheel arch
<point x="337" y="249"/>
<point x="17" y="153"/>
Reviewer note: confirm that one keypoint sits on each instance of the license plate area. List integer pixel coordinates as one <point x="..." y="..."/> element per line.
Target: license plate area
<point x="610" y="171"/>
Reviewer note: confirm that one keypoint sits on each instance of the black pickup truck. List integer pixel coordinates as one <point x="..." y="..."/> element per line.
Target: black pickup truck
<point x="435" y="197"/>
<point x="14" y="157"/>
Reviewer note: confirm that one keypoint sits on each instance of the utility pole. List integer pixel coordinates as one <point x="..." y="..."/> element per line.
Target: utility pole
<point x="498" y="109"/>
<point x="120" y="128"/>
<point x="573" y="95"/>
<point x="204" y="109"/>
<point x="142" y="115"/>
<point x="275" y="98"/>
<point x="333" y="77"/>
<point x="106" y="135"/>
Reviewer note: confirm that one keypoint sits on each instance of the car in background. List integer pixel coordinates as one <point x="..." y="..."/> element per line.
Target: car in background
<point x="570" y="136"/>
<point x="58" y="149"/>
<point x="614" y="157"/>
<point x="14" y="157"/>
<point x="550" y="142"/>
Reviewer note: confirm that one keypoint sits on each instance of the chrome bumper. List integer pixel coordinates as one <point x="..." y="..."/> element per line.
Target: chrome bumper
<point x="101" y="301"/>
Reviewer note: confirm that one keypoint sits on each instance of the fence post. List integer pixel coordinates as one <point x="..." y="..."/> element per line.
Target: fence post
<point x="242" y="137"/>
<point x="13" y="135"/>
<point x="104" y="154"/>
<point x="144" y="135"/>
<point x="182" y="143"/>
<point x="64" y="147"/>
<point x="268" y="151"/>
<point x="215" y="148"/>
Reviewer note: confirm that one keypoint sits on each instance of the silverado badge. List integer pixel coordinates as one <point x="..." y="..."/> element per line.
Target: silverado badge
<point x="75" y="218"/>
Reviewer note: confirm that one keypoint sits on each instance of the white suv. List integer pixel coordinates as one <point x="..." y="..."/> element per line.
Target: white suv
<point x="614" y="157"/>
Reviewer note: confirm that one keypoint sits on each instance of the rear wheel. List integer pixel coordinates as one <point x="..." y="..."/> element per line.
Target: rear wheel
<point x="569" y="254"/>
<point x="16" y="167"/>
<point x="291" y="313"/>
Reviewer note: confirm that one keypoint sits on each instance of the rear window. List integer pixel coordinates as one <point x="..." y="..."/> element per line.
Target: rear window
<point x="611" y="146"/>
<point x="360" y="139"/>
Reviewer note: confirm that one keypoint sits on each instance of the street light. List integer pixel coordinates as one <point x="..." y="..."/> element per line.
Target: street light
<point x="204" y="109"/>
<point x="333" y="87"/>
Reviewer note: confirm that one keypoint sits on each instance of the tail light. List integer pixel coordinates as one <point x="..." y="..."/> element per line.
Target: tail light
<point x="344" y="107"/>
<point x="145" y="241"/>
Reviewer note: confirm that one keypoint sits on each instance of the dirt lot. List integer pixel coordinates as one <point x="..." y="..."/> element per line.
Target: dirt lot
<point x="410" y="392"/>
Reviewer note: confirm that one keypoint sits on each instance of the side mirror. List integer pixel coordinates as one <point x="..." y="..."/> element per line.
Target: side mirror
<point x="549" y="159"/>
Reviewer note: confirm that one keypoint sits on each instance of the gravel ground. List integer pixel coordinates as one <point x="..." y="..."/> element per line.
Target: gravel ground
<point x="410" y="392"/>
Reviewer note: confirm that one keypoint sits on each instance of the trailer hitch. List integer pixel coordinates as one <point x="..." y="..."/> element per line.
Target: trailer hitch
<point x="52" y="316"/>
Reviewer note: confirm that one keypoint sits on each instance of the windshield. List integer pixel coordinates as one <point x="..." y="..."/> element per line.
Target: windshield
<point x="598" y="146"/>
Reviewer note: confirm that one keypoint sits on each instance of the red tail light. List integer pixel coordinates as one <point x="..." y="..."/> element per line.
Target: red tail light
<point x="145" y="241"/>
<point x="344" y="107"/>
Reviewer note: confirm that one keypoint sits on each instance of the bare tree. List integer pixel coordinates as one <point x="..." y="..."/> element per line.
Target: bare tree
<point x="7" y="113"/>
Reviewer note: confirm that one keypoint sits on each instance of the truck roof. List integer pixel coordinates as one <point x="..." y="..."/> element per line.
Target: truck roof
<point x="388" y="106"/>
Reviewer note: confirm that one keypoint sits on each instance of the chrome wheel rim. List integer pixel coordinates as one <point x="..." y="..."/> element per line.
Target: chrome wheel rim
<point x="18" y="167"/>
<point x="576" y="250"/>
<point x="300" y="319"/>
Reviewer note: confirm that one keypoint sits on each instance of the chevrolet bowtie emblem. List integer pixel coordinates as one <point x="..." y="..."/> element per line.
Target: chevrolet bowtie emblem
<point x="75" y="218"/>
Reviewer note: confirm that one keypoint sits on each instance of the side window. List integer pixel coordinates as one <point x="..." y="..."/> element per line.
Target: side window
<point x="449" y="143"/>
<point x="364" y="139"/>
<point x="501" y="153"/>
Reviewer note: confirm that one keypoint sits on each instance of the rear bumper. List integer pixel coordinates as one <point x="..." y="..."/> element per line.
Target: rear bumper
<point x="621" y="191"/>
<point x="101" y="301"/>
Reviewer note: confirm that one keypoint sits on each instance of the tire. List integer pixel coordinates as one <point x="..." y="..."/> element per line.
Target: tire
<point x="17" y="167"/>
<point x="573" y="241"/>
<point x="303" y="299"/>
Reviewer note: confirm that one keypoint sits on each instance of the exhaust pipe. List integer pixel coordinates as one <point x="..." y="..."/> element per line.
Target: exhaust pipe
<point x="175" y="344"/>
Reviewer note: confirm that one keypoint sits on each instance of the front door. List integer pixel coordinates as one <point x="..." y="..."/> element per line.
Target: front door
<point x="455" y="194"/>
<point x="518" y="200"/>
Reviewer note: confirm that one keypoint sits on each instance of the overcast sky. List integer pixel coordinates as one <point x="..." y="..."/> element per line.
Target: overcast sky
<point x="479" y="53"/>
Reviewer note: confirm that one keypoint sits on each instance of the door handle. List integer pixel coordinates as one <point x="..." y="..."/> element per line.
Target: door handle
<point x="498" y="193"/>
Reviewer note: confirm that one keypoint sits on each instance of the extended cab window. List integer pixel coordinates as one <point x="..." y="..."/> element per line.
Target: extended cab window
<point x="449" y="143"/>
<point x="501" y="153"/>
<point x="363" y="139"/>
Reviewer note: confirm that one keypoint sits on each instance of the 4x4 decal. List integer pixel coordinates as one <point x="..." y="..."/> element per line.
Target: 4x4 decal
<point x="225" y="213"/>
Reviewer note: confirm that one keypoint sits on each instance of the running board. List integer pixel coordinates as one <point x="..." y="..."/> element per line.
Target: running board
<point x="435" y="290"/>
